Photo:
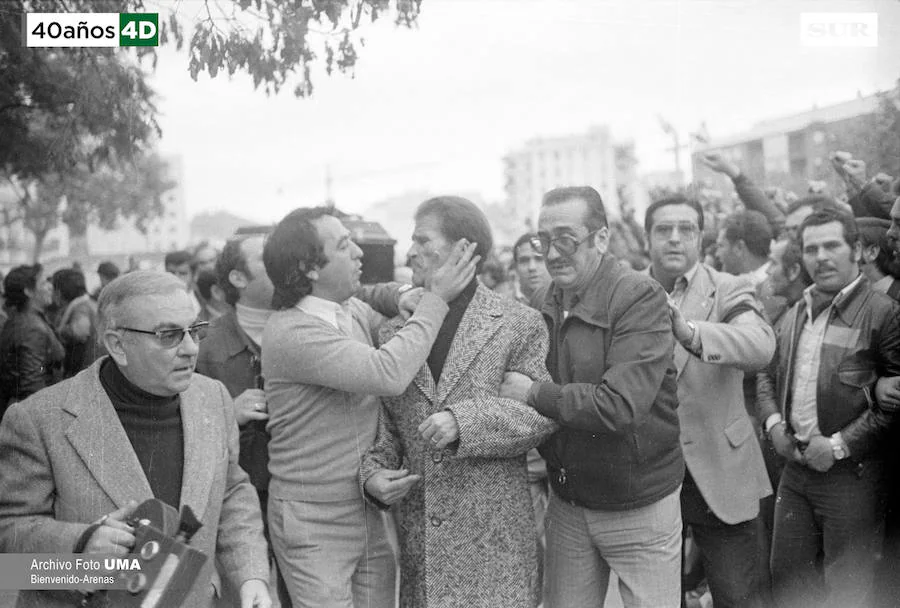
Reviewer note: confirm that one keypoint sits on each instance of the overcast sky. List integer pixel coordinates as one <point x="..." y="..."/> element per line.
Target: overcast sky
<point x="437" y="107"/>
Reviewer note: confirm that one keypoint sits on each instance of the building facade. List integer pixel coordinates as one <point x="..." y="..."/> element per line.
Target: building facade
<point x="544" y="163"/>
<point x="790" y="151"/>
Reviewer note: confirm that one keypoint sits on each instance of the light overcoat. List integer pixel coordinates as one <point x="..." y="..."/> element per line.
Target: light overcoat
<point x="467" y="531"/>
<point x="65" y="461"/>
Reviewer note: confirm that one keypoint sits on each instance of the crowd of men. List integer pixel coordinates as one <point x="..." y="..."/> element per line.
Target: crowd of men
<point x="442" y="443"/>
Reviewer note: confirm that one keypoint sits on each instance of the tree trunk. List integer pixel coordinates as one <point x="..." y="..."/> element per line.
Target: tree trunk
<point x="39" y="238"/>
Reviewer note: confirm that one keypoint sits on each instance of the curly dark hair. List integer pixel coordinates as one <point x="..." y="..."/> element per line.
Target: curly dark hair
<point x="293" y="249"/>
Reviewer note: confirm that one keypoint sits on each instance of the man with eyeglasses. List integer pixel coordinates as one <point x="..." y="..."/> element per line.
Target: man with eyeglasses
<point x="721" y="334"/>
<point x="615" y="465"/>
<point x="75" y="459"/>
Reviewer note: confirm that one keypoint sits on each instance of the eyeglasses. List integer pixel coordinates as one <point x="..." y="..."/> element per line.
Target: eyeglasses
<point x="565" y="244"/>
<point x="688" y="230"/>
<point x="170" y="338"/>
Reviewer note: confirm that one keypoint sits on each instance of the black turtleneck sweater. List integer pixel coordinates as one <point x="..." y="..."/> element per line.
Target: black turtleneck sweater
<point x="153" y="425"/>
<point x="441" y="348"/>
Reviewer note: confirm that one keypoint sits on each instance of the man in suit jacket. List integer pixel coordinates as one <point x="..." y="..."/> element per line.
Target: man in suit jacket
<point x="76" y="458"/>
<point x="466" y="531"/>
<point x="721" y="334"/>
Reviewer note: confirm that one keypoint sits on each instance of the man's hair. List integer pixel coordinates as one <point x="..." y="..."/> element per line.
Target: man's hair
<point x="828" y="215"/>
<point x="675" y="199"/>
<point x="178" y="258"/>
<point x="460" y="218"/>
<point x="205" y="280"/>
<point x="108" y="270"/>
<point x="69" y="283"/>
<point x="17" y="281"/>
<point x="793" y="256"/>
<point x="232" y="258"/>
<point x="753" y="228"/>
<point x="113" y="301"/>
<point x="595" y="218"/>
<point x="525" y="238"/>
<point x="815" y="201"/>
<point x="873" y="231"/>
<point x="293" y="249"/>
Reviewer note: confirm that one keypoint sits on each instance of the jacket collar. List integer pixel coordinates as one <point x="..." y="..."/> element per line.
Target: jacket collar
<point x="847" y="303"/>
<point x="100" y="440"/>
<point x="234" y="340"/>
<point x="591" y="305"/>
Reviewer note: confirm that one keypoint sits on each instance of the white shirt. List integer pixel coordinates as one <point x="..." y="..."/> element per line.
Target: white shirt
<point x="804" y="412"/>
<point x="336" y="315"/>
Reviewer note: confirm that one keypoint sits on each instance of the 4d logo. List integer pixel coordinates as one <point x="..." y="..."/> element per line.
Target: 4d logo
<point x="138" y="29"/>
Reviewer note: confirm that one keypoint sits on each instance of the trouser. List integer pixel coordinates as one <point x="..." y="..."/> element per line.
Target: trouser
<point x="334" y="554"/>
<point x="642" y="546"/>
<point x="729" y="552"/>
<point x="828" y="529"/>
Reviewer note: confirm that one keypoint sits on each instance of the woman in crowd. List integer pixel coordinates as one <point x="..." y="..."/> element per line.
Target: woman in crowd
<point x="30" y="352"/>
<point x="77" y="320"/>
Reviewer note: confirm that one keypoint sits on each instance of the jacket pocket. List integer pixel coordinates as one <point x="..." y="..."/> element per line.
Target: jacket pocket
<point x="858" y="378"/>
<point x="738" y="431"/>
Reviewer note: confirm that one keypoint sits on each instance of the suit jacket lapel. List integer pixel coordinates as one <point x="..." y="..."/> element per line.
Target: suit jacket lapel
<point x="100" y="440"/>
<point x="202" y="452"/>
<point x="698" y="304"/>
<point x="479" y="323"/>
<point x="423" y="380"/>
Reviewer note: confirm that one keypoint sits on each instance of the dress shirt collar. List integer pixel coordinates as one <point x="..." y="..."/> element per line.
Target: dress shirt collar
<point x="812" y="296"/>
<point x="326" y="310"/>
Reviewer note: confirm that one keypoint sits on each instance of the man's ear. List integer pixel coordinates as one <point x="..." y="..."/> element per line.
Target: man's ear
<point x="312" y="275"/>
<point x="870" y="253"/>
<point x="113" y="341"/>
<point x="238" y="279"/>
<point x="857" y="251"/>
<point x="601" y="240"/>
<point x="793" y="273"/>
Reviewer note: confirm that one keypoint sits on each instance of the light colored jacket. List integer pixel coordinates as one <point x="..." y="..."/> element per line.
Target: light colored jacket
<point x="717" y="436"/>
<point x="65" y="461"/>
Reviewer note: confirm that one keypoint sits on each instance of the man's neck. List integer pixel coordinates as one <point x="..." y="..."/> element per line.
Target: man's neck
<point x="754" y="263"/>
<point x="667" y="280"/>
<point x="872" y="273"/>
<point x="579" y="288"/>
<point x="328" y="296"/>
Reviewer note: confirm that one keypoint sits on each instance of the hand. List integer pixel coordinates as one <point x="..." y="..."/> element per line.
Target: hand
<point x="785" y="444"/>
<point x="451" y="278"/>
<point x="255" y="594"/>
<point x="837" y="161"/>
<point x="883" y="181"/>
<point x="114" y="535"/>
<point x="516" y="386"/>
<point x="250" y="405"/>
<point x="440" y="429"/>
<point x="409" y="299"/>
<point x="718" y="163"/>
<point x="819" y="455"/>
<point x="680" y="327"/>
<point x="887" y="392"/>
<point x="390" y="485"/>
<point x="855" y="171"/>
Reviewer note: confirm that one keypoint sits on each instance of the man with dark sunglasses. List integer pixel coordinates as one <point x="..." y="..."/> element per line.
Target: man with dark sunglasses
<point x="76" y="458"/>
<point x="615" y="465"/>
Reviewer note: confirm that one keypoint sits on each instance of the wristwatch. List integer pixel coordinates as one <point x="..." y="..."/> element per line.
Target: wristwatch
<point x="837" y="447"/>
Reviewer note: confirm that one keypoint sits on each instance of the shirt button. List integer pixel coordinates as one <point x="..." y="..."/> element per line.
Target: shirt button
<point x="436" y="521"/>
<point x="436" y="457"/>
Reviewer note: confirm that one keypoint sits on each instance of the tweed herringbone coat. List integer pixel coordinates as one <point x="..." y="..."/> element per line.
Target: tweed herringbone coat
<point x="467" y="532"/>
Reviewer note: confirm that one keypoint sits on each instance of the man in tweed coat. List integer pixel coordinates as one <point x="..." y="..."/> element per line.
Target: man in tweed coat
<point x="466" y="531"/>
<point x="77" y="457"/>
